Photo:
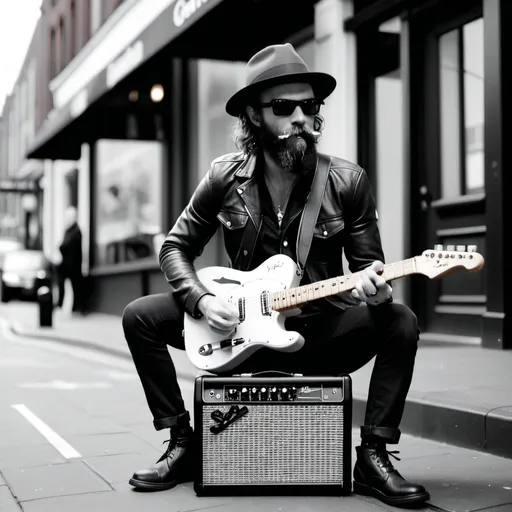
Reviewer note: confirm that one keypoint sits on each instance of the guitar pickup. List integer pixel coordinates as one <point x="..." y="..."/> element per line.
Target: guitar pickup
<point x="264" y="304"/>
<point x="241" y="309"/>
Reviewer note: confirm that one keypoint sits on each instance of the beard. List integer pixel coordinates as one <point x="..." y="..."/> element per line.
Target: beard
<point x="296" y="154"/>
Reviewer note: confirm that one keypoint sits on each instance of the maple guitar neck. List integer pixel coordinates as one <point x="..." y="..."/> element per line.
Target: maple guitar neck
<point x="297" y="297"/>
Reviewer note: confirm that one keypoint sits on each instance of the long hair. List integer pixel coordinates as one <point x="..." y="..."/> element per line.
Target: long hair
<point x="246" y="136"/>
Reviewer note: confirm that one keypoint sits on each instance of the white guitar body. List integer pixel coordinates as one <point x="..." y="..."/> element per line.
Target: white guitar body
<point x="268" y="294"/>
<point x="258" y="326"/>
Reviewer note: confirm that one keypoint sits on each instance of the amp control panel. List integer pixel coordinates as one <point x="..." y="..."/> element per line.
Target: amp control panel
<point x="273" y="392"/>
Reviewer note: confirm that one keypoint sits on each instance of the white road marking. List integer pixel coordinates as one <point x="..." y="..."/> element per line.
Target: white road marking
<point x="118" y="375"/>
<point x="61" y="384"/>
<point x="52" y="437"/>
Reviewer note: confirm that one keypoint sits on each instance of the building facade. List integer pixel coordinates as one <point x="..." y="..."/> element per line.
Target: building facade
<point x="67" y="27"/>
<point x="20" y="191"/>
<point x="139" y="114"/>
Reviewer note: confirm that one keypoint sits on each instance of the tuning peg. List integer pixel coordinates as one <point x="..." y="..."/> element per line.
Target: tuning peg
<point x="461" y="248"/>
<point x="472" y="248"/>
<point x="450" y="247"/>
<point x="438" y="247"/>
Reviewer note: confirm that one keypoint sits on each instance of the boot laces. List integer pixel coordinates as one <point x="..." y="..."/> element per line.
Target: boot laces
<point x="170" y="452"/>
<point x="382" y="458"/>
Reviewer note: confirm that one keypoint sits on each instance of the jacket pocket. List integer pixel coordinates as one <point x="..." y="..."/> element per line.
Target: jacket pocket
<point x="233" y="220"/>
<point x="327" y="241"/>
<point x="327" y="228"/>
<point x="233" y="224"/>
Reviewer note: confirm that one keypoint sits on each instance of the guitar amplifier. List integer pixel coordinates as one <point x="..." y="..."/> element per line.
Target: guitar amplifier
<point x="274" y="435"/>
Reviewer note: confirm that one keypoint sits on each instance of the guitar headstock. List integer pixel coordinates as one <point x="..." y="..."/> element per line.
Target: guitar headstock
<point x="438" y="262"/>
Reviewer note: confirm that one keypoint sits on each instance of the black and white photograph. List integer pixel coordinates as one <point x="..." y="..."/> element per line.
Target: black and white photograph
<point x="253" y="256"/>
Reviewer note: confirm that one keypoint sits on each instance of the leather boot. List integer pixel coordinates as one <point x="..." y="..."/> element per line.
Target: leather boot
<point x="173" y="467"/>
<point x="374" y="475"/>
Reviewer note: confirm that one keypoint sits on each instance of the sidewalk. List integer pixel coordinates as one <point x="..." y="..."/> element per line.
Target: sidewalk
<point x="459" y="395"/>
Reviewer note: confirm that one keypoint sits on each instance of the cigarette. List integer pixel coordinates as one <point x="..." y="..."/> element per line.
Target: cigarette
<point x="315" y="134"/>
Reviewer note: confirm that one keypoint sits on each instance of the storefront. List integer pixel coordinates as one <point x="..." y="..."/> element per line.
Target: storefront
<point x="146" y="126"/>
<point x="434" y="71"/>
<point x="420" y="104"/>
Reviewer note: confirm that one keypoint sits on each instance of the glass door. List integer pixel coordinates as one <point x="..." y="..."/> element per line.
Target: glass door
<point x="448" y="164"/>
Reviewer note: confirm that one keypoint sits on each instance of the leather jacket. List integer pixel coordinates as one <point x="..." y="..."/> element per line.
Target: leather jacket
<point x="228" y="196"/>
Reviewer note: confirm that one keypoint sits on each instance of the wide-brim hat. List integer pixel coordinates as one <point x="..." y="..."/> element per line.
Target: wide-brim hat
<point x="275" y="65"/>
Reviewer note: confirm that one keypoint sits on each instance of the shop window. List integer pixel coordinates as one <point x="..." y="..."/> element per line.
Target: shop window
<point x="128" y="200"/>
<point x="462" y="110"/>
<point x="218" y="80"/>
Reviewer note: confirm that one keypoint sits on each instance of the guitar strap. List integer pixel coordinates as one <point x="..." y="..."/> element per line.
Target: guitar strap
<point x="311" y="210"/>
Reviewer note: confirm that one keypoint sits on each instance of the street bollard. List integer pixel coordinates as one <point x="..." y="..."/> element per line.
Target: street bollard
<point x="45" y="302"/>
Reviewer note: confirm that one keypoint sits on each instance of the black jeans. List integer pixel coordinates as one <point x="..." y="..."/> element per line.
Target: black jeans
<point x="77" y="284"/>
<point x="336" y="342"/>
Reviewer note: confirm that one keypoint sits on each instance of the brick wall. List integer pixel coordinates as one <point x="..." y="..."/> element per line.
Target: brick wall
<point x="66" y="28"/>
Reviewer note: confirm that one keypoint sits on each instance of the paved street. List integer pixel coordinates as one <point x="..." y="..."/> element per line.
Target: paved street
<point x="74" y="425"/>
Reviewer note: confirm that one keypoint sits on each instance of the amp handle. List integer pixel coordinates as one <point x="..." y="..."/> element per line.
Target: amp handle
<point x="270" y="373"/>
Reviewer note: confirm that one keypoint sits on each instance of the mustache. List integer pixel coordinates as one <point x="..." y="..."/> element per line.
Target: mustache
<point x="313" y="134"/>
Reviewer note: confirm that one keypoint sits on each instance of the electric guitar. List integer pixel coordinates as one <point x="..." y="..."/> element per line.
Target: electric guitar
<point x="265" y="296"/>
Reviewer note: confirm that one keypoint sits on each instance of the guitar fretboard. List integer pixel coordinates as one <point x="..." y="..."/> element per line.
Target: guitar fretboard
<point x="298" y="297"/>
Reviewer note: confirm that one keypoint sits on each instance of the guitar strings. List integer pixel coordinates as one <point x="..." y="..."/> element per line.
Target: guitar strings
<point x="251" y="299"/>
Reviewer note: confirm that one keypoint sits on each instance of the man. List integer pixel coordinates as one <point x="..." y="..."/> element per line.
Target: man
<point x="70" y="266"/>
<point x="257" y="197"/>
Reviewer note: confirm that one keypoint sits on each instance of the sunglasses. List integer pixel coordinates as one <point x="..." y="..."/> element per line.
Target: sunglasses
<point x="310" y="107"/>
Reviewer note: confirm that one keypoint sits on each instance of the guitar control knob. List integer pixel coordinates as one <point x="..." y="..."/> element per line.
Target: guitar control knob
<point x="245" y="394"/>
<point x="254" y="393"/>
<point x="264" y="393"/>
<point x="232" y="394"/>
<point x="273" y="393"/>
<point x="284" y="394"/>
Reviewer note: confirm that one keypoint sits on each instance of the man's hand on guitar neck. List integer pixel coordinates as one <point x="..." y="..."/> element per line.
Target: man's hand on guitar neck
<point x="221" y="316"/>
<point x="372" y="287"/>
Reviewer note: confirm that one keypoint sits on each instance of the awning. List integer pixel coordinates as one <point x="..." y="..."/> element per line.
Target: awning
<point x="62" y="134"/>
<point x="208" y="29"/>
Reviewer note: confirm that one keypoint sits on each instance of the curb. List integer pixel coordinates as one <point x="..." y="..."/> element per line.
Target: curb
<point x="91" y="345"/>
<point x="475" y="429"/>
<point x="88" y="345"/>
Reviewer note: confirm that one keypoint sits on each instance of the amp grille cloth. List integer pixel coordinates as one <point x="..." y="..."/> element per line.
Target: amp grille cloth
<point x="275" y="444"/>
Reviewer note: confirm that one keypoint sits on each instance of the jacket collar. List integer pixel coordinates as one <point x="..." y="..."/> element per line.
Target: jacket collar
<point x="247" y="168"/>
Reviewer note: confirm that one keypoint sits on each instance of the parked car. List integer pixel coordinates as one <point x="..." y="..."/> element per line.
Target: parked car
<point x="23" y="273"/>
<point x="8" y="244"/>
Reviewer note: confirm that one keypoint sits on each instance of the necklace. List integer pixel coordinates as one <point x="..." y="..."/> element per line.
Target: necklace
<point x="278" y="200"/>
